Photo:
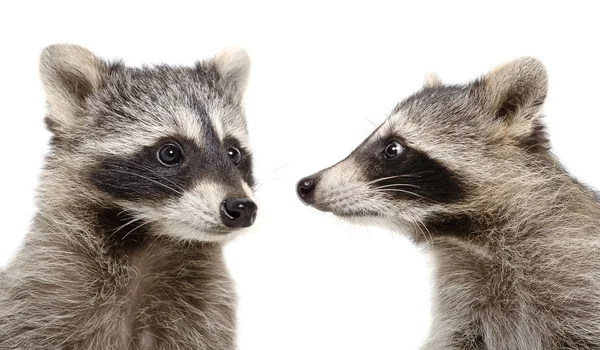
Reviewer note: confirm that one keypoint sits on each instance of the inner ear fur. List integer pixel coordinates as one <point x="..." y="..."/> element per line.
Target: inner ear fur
<point x="233" y="65"/>
<point x="516" y="90"/>
<point x="69" y="74"/>
<point x="513" y="95"/>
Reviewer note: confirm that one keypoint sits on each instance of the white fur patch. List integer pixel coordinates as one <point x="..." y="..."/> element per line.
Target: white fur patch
<point x="183" y="123"/>
<point x="194" y="216"/>
<point x="215" y="115"/>
<point x="234" y="65"/>
<point x="247" y="190"/>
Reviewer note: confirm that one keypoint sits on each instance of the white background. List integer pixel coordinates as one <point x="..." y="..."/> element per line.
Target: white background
<point x="321" y="73"/>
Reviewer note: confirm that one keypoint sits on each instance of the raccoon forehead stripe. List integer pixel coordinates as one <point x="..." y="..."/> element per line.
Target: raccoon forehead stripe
<point x="188" y="125"/>
<point x="216" y="118"/>
<point x="228" y="123"/>
<point x="176" y="123"/>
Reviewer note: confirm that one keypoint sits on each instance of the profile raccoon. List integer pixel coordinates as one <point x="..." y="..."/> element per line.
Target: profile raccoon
<point x="148" y="174"/>
<point x="467" y="171"/>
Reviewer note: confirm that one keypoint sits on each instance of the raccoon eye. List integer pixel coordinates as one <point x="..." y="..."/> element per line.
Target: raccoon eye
<point x="392" y="150"/>
<point x="234" y="154"/>
<point x="170" y="154"/>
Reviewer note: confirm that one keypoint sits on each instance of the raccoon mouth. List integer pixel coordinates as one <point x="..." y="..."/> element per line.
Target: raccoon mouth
<point x="353" y="214"/>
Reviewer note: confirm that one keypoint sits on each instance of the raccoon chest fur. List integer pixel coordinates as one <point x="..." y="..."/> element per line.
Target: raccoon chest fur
<point x="488" y="298"/>
<point x="167" y="295"/>
<point x="467" y="171"/>
<point x="134" y="330"/>
<point x="162" y="295"/>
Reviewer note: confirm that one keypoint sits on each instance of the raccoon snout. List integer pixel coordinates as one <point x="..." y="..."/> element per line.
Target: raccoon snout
<point x="238" y="212"/>
<point x="306" y="189"/>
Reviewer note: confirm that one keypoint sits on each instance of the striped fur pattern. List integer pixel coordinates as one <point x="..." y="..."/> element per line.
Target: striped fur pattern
<point x="466" y="170"/>
<point x="125" y="252"/>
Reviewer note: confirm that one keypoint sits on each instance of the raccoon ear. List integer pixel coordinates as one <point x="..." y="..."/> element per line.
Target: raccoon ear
<point x="431" y="80"/>
<point x="516" y="90"/>
<point x="234" y="66"/>
<point x="514" y="94"/>
<point x="69" y="74"/>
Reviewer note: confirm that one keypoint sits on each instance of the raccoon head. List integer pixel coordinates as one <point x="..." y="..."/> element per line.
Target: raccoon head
<point x="165" y="146"/>
<point x="445" y="157"/>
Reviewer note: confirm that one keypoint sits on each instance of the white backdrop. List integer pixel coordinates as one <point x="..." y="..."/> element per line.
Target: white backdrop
<point x="321" y="73"/>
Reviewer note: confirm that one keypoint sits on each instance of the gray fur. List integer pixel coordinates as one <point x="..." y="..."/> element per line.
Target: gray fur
<point x="161" y="282"/>
<point x="516" y="256"/>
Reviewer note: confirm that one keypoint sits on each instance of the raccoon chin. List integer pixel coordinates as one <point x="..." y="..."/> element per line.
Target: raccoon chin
<point x="355" y="214"/>
<point x="189" y="231"/>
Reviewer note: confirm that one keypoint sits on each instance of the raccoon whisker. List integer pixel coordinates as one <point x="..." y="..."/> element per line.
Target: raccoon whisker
<point x="370" y="121"/>
<point x="159" y="175"/>
<point x="397" y="176"/>
<point x="407" y="192"/>
<point x="400" y="185"/>
<point x="135" y="228"/>
<point x="420" y="227"/>
<point x="263" y="177"/>
<point x="124" y="225"/>
<point x="121" y="212"/>
<point x="149" y="179"/>
<point x="256" y="188"/>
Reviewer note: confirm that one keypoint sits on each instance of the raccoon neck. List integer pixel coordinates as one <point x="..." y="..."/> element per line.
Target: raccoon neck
<point x="530" y="204"/>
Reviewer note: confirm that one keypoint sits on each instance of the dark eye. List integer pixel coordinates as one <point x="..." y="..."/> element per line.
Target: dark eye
<point x="392" y="150"/>
<point x="170" y="154"/>
<point x="234" y="154"/>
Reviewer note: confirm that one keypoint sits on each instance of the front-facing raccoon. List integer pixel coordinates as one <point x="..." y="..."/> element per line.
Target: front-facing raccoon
<point x="467" y="171"/>
<point x="148" y="174"/>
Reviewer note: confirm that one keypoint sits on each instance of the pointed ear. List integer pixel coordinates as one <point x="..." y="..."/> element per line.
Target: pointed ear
<point x="514" y="94"/>
<point x="516" y="90"/>
<point x="431" y="80"/>
<point x="234" y="66"/>
<point x="69" y="74"/>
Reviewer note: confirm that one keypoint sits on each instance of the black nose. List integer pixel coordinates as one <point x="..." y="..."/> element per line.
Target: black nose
<point x="306" y="189"/>
<point x="238" y="212"/>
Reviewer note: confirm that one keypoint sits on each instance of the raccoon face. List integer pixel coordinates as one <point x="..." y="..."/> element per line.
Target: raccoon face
<point x="431" y="166"/>
<point x="166" y="145"/>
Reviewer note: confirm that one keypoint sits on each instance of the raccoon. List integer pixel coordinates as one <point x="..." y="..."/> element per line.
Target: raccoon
<point x="467" y="171"/>
<point x="149" y="172"/>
